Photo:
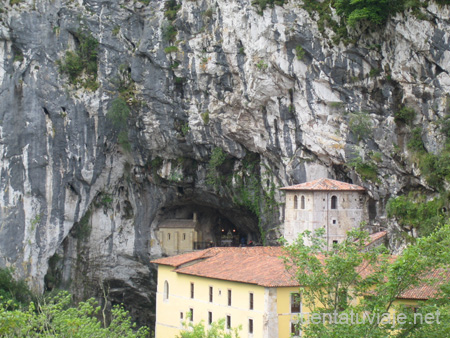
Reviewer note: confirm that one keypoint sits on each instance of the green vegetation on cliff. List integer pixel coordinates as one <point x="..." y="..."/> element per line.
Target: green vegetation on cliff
<point x="81" y="65"/>
<point x="57" y="316"/>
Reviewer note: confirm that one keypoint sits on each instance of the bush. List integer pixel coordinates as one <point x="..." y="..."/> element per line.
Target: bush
<point x="205" y="117"/>
<point x="360" y="125"/>
<point x="415" y="143"/>
<point x="405" y="115"/>
<point x="82" y="62"/>
<point x="300" y="52"/>
<point x="15" y="291"/>
<point x="367" y="170"/>
<point x="56" y="317"/>
<point x="170" y="49"/>
<point x="262" y="4"/>
<point x="414" y="210"/>
<point x="374" y="12"/>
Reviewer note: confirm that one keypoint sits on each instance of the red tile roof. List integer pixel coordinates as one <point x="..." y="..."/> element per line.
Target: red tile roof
<point x="264" y="266"/>
<point x="254" y="265"/>
<point x="325" y="184"/>
<point x="430" y="289"/>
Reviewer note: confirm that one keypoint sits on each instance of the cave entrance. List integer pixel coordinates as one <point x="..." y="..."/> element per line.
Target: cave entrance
<point x="188" y="228"/>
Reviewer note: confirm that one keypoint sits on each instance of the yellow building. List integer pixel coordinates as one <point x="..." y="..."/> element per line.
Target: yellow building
<point x="178" y="235"/>
<point x="247" y="286"/>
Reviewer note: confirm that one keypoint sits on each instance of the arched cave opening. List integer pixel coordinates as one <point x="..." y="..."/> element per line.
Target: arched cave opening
<point x="191" y="226"/>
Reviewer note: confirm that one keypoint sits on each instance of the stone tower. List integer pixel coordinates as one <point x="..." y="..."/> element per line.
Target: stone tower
<point x="336" y="206"/>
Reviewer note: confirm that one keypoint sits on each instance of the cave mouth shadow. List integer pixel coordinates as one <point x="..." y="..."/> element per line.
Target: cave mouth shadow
<point x="192" y="226"/>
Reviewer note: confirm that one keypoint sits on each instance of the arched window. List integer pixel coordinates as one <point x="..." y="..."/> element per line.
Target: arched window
<point x="333" y="202"/>
<point x="166" y="290"/>
<point x="295" y="202"/>
<point x="302" y="202"/>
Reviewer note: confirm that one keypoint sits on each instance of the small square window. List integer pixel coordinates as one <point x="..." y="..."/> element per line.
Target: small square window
<point x="334" y="221"/>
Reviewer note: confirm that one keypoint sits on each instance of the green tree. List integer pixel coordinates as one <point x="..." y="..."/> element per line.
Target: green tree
<point x="352" y="280"/>
<point x="216" y="330"/>
<point x="56" y="316"/>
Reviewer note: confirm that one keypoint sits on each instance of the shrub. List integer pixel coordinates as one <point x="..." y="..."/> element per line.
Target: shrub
<point x="205" y="117"/>
<point x="169" y="33"/>
<point x="360" y="125"/>
<point x="262" y="4"/>
<point x="218" y="157"/>
<point x="367" y="170"/>
<point x="415" y="143"/>
<point x="414" y="210"/>
<point x="13" y="290"/>
<point x="82" y="62"/>
<point x="171" y="10"/>
<point x="170" y="49"/>
<point x="300" y="52"/>
<point x="262" y="65"/>
<point x="405" y="115"/>
<point x="118" y="113"/>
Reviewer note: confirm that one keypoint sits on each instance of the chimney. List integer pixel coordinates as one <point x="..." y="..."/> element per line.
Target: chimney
<point x="194" y="217"/>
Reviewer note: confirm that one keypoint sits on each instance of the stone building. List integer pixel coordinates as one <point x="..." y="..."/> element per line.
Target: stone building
<point x="336" y="206"/>
<point x="178" y="235"/>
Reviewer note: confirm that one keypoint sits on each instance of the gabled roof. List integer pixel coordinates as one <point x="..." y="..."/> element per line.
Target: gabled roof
<point x="264" y="266"/>
<point x="253" y="265"/>
<point x="428" y="290"/>
<point x="324" y="184"/>
<point x="177" y="223"/>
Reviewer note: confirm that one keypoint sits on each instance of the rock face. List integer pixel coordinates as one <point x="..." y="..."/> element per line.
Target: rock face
<point x="235" y="111"/>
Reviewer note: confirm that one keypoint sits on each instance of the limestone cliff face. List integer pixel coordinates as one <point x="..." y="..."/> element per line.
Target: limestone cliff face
<point x="235" y="82"/>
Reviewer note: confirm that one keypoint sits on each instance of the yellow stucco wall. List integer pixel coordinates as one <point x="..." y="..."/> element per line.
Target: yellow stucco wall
<point x="168" y="322"/>
<point x="285" y="317"/>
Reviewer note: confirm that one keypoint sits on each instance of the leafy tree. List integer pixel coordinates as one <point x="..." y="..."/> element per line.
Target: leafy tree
<point x="216" y="330"/>
<point x="57" y="317"/>
<point x="352" y="280"/>
<point x="11" y="290"/>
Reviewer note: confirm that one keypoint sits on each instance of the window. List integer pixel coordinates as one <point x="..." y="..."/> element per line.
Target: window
<point x="295" y="330"/>
<point x="192" y="290"/>
<point x="334" y="221"/>
<point x="181" y="315"/>
<point x="333" y="202"/>
<point x="184" y="237"/>
<point x="210" y="294"/>
<point x="251" y="301"/>
<point x="191" y="310"/>
<point x="295" y="202"/>
<point x="166" y="290"/>
<point x="229" y="297"/>
<point x="168" y="236"/>
<point x="295" y="302"/>
<point x="335" y="243"/>
<point x="209" y="317"/>
<point x="302" y="202"/>
<point x="228" y="322"/>
<point x="250" y="326"/>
